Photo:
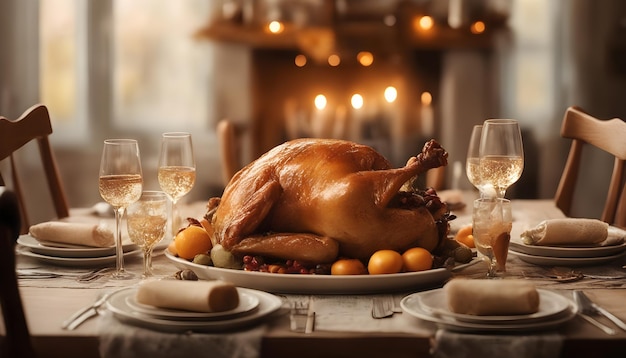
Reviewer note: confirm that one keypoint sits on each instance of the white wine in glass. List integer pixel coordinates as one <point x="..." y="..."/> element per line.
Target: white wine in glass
<point x="177" y="169"/>
<point x="146" y="221"/>
<point x="501" y="154"/>
<point x="120" y="184"/>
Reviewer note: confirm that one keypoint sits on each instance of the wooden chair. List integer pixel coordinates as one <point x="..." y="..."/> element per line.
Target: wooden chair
<point x="229" y="149"/>
<point x="34" y="124"/>
<point x="17" y="341"/>
<point x="607" y="135"/>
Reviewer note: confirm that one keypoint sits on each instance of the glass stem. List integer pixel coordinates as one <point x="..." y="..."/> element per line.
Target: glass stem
<point x="500" y="192"/>
<point x="492" y="271"/>
<point x="119" y="250"/>
<point x="175" y="223"/>
<point x="147" y="262"/>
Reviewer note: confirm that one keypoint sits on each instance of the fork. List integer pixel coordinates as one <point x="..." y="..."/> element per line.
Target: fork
<point x="590" y="307"/>
<point x="302" y="317"/>
<point x="93" y="275"/>
<point x="35" y="273"/>
<point x="384" y="306"/>
<point x="380" y="309"/>
<point x="584" y="311"/>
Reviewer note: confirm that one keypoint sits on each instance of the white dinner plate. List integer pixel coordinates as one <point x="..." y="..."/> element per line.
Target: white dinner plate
<point x="572" y="252"/>
<point x="72" y="261"/>
<point x="551" y="304"/>
<point x="75" y="251"/>
<point x="247" y="304"/>
<point x="565" y="261"/>
<point x="317" y="284"/>
<point x="118" y="305"/>
<point x="411" y="304"/>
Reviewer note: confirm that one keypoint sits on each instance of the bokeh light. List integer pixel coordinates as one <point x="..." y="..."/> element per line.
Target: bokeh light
<point x="320" y="101"/>
<point x="334" y="60"/>
<point x="477" y="27"/>
<point x="391" y="94"/>
<point x="300" y="60"/>
<point x="423" y="23"/>
<point x="356" y="101"/>
<point x="275" y="27"/>
<point x="365" y="58"/>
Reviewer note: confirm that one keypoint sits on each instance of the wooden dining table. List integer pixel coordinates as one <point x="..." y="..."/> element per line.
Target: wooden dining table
<point x="48" y="302"/>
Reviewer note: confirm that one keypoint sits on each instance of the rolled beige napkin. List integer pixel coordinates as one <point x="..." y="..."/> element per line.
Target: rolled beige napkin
<point x="73" y="233"/>
<point x="491" y="297"/>
<point x="571" y="232"/>
<point x="196" y="296"/>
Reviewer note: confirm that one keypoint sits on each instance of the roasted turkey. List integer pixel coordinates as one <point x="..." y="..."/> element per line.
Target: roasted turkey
<point x="315" y="200"/>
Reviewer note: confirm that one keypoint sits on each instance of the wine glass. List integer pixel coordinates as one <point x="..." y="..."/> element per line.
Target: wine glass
<point x="472" y="163"/>
<point x="501" y="155"/>
<point x="146" y="221"/>
<point x="120" y="184"/>
<point x="492" y="222"/>
<point x="177" y="170"/>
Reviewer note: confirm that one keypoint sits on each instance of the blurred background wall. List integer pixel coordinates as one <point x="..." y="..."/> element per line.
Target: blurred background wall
<point x="137" y="68"/>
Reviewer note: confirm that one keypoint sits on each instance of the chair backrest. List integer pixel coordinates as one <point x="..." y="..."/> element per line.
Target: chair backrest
<point x="35" y="125"/>
<point x="229" y="149"/>
<point x="17" y="341"/>
<point x="607" y="135"/>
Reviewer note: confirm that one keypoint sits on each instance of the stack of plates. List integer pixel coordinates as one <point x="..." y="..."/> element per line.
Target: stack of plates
<point x="70" y="255"/>
<point x="432" y="306"/>
<point x="566" y="256"/>
<point x="253" y="307"/>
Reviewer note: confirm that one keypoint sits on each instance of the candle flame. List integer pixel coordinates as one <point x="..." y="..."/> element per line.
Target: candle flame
<point x="356" y="101"/>
<point x="320" y="101"/>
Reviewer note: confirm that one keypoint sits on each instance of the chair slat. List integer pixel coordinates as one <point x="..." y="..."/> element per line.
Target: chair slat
<point x="607" y="135"/>
<point x="33" y="125"/>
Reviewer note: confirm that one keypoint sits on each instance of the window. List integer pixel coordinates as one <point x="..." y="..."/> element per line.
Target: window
<point x="132" y="65"/>
<point x="160" y="72"/>
<point x="59" y="57"/>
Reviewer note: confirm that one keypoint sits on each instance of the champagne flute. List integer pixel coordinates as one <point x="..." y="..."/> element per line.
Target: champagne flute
<point x="177" y="169"/>
<point x="501" y="155"/>
<point x="146" y="221"/>
<point x="120" y="184"/>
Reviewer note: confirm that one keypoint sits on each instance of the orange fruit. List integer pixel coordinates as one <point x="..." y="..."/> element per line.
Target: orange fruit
<point x="464" y="236"/>
<point x="348" y="267"/>
<point x="385" y="262"/>
<point x="417" y="259"/>
<point x="191" y="241"/>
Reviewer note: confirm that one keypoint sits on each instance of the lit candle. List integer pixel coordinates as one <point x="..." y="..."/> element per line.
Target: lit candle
<point x="340" y="129"/>
<point x="356" y="102"/>
<point x="321" y="121"/>
<point x="427" y="116"/>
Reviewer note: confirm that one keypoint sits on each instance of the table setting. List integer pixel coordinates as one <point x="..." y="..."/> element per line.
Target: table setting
<point x="72" y="244"/>
<point x="497" y="300"/>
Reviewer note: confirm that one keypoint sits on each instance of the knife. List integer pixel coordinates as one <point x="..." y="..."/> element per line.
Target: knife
<point x="82" y="318"/>
<point x="593" y="307"/>
<point x="84" y="313"/>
